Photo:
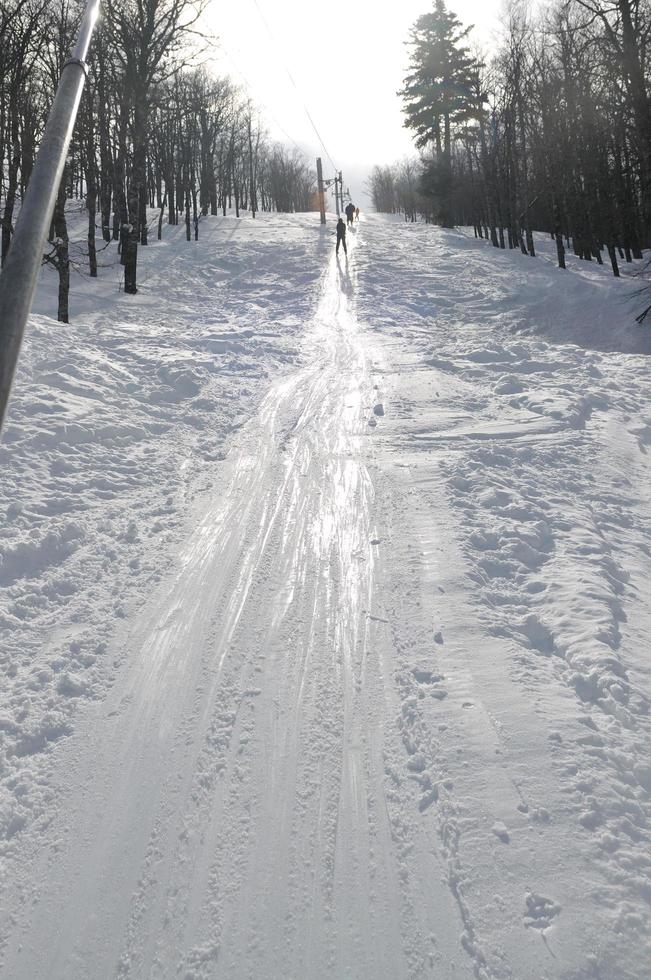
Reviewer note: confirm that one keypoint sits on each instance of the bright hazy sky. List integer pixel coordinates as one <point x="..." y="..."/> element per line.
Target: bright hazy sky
<point x="347" y="58"/>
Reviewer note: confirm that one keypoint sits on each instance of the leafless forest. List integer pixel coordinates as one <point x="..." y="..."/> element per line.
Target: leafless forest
<point x="552" y="131"/>
<point x="156" y="130"/>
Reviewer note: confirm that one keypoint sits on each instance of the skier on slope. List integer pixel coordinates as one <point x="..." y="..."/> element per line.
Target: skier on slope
<point x="350" y="213"/>
<point x="341" y="236"/>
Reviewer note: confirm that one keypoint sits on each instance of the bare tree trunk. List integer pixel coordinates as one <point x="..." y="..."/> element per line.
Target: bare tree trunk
<point x="62" y="255"/>
<point x="12" y="182"/>
<point x="91" y="182"/>
<point x="136" y="190"/>
<point x="160" y="217"/>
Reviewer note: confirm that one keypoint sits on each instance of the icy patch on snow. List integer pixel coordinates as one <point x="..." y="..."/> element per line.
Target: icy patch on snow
<point x="115" y="423"/>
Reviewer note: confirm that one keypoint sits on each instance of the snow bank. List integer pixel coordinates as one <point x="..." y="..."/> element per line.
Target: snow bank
<point x="520" y="393"/>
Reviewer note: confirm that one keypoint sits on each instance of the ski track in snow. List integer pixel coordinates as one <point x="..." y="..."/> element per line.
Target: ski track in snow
<point x="117" y="424"/>
<point x="372" y="625"/>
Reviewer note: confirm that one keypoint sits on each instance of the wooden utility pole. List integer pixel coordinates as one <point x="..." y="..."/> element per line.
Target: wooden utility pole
<point x="319" y="175"/>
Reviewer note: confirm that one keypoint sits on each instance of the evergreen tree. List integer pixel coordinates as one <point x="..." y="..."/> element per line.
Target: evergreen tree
<point x="439" y="92"/>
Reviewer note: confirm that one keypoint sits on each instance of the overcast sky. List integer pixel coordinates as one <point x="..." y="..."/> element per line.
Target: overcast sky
<point x="347" y="59"/>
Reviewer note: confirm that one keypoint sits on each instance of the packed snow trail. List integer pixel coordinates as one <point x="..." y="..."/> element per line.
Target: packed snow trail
<point x="385" y="716"/>
<point x="226" y="814"/>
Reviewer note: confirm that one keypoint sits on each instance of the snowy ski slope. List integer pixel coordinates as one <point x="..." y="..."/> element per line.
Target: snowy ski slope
<point x="324" y="617"/>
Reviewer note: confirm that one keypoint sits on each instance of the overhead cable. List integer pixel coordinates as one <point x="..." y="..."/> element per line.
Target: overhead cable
<point x="293" y="81"/>
<point x="263" y="105"/>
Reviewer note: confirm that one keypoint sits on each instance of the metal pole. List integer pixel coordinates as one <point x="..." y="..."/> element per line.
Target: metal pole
<point x="337" y="195"/>
<point x="319" y="175"/>
<point x="20" y="271"/>
<point x="341" y="190"/>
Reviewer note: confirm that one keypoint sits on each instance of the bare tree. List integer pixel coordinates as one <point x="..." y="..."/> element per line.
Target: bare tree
<point x="145" y="33"/>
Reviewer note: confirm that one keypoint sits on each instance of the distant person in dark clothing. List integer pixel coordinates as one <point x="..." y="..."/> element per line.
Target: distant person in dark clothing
<point x="356" y="214"/>
<point x="341" y="236"/>
<point x="350" y="212"/>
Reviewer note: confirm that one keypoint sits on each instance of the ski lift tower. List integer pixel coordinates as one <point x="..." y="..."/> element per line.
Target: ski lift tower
<point x="328" y="184"/>
<point x="323" y="186"/>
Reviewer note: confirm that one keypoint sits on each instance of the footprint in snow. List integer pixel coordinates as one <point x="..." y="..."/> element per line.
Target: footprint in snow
<point x="431" y="681"/>
<point x="376" y="619"/>
<point x="541" y="911"/>
<point x="423" y="676"/>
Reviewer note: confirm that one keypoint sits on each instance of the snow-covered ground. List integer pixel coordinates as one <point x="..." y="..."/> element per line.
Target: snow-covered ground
<point x="323" y="608"/>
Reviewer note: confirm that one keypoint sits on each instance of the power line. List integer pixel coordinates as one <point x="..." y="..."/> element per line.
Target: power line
<point x="263" y="105"/>
<point x="237" y="67"/>
<point x="293" y="81"/>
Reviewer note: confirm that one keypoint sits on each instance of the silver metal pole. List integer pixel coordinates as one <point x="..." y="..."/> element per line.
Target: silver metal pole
<point x="20" y="271"/>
